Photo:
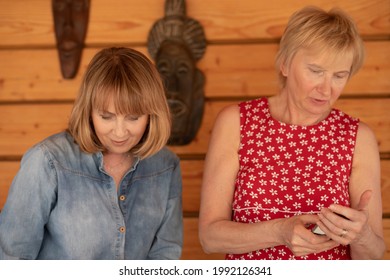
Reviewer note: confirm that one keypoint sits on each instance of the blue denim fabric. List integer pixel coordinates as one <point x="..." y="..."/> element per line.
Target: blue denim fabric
<point x="63" y="205"/>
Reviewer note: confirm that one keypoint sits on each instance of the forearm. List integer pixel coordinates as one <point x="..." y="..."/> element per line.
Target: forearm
<point x="366" y="176"/>
<point x="371" y="248"/>
<point x="235" y="238"/>
<point x="169" y="238"/>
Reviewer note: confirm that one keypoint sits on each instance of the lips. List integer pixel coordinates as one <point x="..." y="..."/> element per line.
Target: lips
<point x="319" y="100"/>
<point x="118" y="143"/>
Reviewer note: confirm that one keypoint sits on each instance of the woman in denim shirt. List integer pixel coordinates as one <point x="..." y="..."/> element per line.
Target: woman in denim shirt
<point x="107" y="188"/>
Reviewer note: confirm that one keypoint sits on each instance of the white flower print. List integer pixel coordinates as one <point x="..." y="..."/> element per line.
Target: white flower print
<point x="288" y="170"/>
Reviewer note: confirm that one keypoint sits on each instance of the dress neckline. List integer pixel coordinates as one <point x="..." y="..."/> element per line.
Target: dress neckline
<point x="283" y="124"/>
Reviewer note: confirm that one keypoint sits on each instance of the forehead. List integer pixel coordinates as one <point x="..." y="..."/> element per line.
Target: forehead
<point x="339" y="61"/>
<point x="174" y="50"/>
<point x="119" y="102"/>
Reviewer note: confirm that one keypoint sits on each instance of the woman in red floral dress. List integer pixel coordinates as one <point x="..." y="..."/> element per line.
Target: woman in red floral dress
<point x="279" y="167"/>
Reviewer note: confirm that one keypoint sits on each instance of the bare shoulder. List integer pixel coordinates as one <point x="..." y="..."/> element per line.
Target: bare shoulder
<point x="365" y="136"/>
<point x="227" y="121"/>
<point x="229" y="113"/>
<point x="225" y="136"/>
<point x="366" y="148"/>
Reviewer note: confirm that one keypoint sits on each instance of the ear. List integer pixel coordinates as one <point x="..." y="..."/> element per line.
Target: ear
<point x="284" y="69"/>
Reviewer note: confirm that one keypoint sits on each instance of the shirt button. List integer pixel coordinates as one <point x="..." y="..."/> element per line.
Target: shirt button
<point x="122" y="229"/>
<point x="122" y="197"/>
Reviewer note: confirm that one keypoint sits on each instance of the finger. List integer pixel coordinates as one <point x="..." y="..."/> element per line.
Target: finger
<point x="309" y="219"/>
<point x="333" y="222"/>
<point x="364" y="200"/>
<point x="339" y="235"/>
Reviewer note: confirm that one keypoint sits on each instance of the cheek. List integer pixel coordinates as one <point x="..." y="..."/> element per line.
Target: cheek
<point x="100" y="128"/>
<point x="140" y="130"/>
<point x="338" y="87"/>
<point x="137" y="129"/>
<point x="305" y="83"/>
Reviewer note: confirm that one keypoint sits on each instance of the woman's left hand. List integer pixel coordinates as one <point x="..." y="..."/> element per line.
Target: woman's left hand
<point x="347" y="225"/>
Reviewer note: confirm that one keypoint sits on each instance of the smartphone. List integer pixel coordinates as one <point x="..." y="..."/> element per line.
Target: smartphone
<point x="317" y="230"/>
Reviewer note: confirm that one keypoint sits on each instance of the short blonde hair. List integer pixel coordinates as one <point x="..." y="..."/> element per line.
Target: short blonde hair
<point x="135" y="86"/>
<point x="312" y="27"/>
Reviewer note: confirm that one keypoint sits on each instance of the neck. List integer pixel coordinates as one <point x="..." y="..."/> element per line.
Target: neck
<point x="286" y="111"/>
<point x="116" y="162"/>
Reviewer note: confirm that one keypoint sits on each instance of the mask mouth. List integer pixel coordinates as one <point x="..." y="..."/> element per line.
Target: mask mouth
<point x="68" y="54"/>
<point x="179" y="112"/>
<point x="68" y="45"/>
<point x="70" y="60"/>
<point x="178" y="108"/>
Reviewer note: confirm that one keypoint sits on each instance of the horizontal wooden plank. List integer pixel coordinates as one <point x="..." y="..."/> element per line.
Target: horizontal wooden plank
<point x="29" y="22"/>
<point x="248" y="70"/>
<point x="192" y="250"/>
<point x="28" y="124"/>
<point x="385" y="185"/>
<point x="192" y="173"/>
<point x="8" y="171"/>
<point x="231" y="71"/>
<point x="386" y="234"/>
<point x="21" y="126"/>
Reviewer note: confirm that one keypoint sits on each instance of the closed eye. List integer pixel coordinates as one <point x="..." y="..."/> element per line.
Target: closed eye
<point x="342" y="75"/>
<point x="106" y="117"/>
<point x="133" y="118"/>
<point x="316" y="71"/>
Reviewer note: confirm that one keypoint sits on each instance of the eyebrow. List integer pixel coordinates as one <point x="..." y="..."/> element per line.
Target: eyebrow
<point x="105" y="112"/>
<point x="318" y="66"/>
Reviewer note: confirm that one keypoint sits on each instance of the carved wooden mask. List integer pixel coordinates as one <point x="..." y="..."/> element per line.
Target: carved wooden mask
<point x="176" y="43"/>
<point x="70" y="24"/>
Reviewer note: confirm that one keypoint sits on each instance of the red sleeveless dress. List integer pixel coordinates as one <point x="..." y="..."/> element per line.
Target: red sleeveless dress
<point x="288" y="170"/>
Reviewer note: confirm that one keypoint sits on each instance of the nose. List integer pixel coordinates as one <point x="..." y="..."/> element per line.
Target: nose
<point x="172" y="86"/>
<point x="324" y="87"/>
<point x="67" y="13"/>
<point x="120" y="129"/>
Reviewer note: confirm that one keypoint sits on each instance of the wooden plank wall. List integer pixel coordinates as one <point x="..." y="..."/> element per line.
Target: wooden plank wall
<point x="242" y="39"/>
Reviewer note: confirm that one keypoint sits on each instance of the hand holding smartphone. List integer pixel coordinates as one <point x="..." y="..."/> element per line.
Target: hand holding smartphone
<point x="317" y="230"/>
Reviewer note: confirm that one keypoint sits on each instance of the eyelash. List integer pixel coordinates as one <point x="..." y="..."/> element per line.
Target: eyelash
<point x="105" y="117"/>
<point x="320" y="72"/>
<point x="131" y="118"/>
<point x="316" y="71"/>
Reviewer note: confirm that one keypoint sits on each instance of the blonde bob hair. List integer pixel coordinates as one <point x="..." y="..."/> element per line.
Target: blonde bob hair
<point x="313" y="28"/>
<point x="129" y="78"/>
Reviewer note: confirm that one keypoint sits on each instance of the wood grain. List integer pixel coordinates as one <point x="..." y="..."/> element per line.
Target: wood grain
<point x="29" y="22"/>
<point x="192" y="249"/>
<point x="242" y="37"/>
<point x="21" y="126"/>
<point x="231" y="70"/>
<point x="386" y="235"/>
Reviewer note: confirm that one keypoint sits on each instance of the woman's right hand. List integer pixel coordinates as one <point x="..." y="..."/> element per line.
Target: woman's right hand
<point x="296" y="234"/>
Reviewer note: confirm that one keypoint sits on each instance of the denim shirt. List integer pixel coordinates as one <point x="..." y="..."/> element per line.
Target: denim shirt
<point x="63" y="205"/>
